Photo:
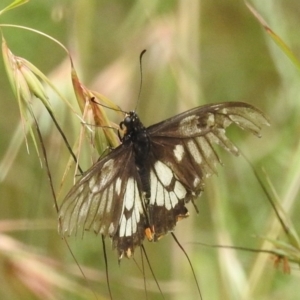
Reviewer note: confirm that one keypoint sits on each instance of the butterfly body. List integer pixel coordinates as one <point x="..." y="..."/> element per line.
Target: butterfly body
<point x="136" y="134"/>
<point x="141" y="188"/>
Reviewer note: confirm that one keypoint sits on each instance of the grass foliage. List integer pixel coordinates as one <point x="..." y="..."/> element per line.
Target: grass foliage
<point x="197" y="52"/>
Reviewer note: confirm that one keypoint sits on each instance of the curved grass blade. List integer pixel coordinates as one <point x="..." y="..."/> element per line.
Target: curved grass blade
<point x="13" y="5"/>
<point x="190" y="263"/>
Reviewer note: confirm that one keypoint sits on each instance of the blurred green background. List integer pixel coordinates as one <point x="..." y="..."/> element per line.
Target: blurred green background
<point x="197" y="52"/>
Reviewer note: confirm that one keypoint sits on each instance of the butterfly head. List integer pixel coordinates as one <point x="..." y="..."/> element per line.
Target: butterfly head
<point x="131" y="123"/>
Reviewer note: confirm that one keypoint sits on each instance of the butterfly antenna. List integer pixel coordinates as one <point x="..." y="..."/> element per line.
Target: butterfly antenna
<point x="190" y="263"/>
<point x="141" y="73"/>
<point x="106" y="106"/>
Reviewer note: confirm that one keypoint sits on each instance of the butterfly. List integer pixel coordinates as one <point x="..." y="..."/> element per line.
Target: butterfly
<point x="141" y="188"/>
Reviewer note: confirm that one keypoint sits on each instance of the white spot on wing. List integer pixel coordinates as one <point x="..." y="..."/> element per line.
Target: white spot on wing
<point x="111" y="229"/>
<point x="179" y="190"/>
<point x="110" y="196"/>
<point x="160" y="195"/>
<point x="130" y="193"/>
<point x="94" y="188"/>
<point x="118" y="185"/>
<point x="174" y="199"/>
<point x="205" y="146"/>
<point x="102" y="203"/>
<point x="164" y="173"/>
<point x="179" y="152"/>
<point x="154" y="182"/>
<point x="194" y="151"/>
<point x="134" y="223"/>
<point x="211" y="120"/>
<point x="188" y="120"/>
<point x="128" y="227"/>
<point x="122" y="226"/>
<point x="168" y="205"/>
<point x="212" y="138"/>
<point x="189" y="125"/>
<point x="196" y="182"/>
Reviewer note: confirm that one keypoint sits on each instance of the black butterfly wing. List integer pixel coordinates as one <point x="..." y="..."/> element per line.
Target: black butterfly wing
<point x="113" y="198"/>
<point x="182" y="156"/>
<point x="107" y="200"/>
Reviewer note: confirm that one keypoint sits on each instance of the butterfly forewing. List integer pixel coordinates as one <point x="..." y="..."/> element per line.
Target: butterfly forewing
<point x="198" y="121"/>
